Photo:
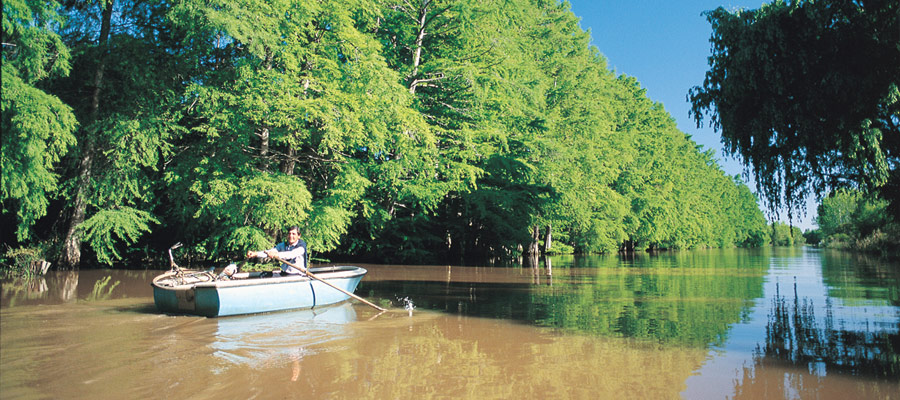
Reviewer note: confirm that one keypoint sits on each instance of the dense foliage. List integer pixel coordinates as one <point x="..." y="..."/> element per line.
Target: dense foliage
<point x="413" y="131"/>
<point x="37" y="127"/>
<point x="786" y="235"/>
<point x="807" y="93"/>
<point x="852" y="219"/>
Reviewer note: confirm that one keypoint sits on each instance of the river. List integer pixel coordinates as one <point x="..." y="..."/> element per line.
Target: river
<point x="793" y="323"/>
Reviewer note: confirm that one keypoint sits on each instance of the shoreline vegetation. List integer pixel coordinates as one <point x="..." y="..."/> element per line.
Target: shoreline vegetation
<point x="424" y="132"/>
<point x="27" y="262"/>
<point x="856" y="221"/>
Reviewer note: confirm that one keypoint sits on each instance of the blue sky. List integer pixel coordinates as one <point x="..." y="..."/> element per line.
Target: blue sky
<point x="664" y="44"/>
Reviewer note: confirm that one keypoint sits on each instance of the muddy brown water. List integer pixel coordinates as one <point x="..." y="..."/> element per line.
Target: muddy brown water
<point x="744" y="324"/>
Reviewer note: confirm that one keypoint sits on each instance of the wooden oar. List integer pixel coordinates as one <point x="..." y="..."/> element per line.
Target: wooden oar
<point x="310" y="274"/>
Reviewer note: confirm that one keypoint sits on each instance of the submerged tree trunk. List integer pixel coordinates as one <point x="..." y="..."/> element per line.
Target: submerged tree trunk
<point x="548" y="238"/>
<point x="71" y="256"/>
<point x="533" y="248"/>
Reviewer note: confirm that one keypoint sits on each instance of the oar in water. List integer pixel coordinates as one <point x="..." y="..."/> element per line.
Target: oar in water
<point x="310" y="274"/>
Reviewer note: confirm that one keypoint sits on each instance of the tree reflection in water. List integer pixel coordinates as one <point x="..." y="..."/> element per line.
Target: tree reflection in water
<point x="795" y="337"/>
<point x="26" y="288"/>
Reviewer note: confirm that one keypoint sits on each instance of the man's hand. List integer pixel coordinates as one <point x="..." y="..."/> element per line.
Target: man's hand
<point x="251" y="254"/>
<point x="272" y="253"/>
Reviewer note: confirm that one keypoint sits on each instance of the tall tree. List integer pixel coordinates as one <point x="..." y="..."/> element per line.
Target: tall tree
<point x="807" y="93"/>
<point x="296" y="84"/>
<point x="72" y="242"/>
<point x="37" y="127"/>
<point x="578" y="154"/>
<point x="441" y="51"/>
<point x="124" y="84"/>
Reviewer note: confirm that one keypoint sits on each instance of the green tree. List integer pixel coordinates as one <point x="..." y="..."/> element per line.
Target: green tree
<point x="835" y="213"/>
<point x="562" y="146"/>
<point x="579" y="153"/>
<point x="124" y="87"/>
<point x="648" y="179"/>
<point x="453" y="56"/>
<point x="813" y="236"/>
<point x="786" y="235"/>
<point x="750" y="221"/>
<point x="846" y="216"/>
<point x="680" y="197"/>
<point x="296" y="92"/>
<point x="806" y="93"/>
<point x="394" y="130"/>
<point x="37" y="127"/>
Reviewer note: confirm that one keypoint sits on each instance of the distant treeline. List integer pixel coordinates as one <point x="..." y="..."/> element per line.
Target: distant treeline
<point x="423" y="131"/>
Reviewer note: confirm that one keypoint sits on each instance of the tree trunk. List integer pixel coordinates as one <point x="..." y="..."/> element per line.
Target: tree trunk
<point x="264" y="147"/>
<point x="548" y="238"/>
<point x="264" y="131"/>
<point x="417" y="54"/>
<point x="71" y="256"/>
<point x="533" y="248"/>
<point x="288" y="166"/>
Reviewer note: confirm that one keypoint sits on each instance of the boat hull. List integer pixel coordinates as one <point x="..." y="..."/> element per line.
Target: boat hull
<point x="255" y="294"/>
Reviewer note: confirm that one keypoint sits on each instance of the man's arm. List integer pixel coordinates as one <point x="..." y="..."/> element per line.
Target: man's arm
<point x="260" y="254"/>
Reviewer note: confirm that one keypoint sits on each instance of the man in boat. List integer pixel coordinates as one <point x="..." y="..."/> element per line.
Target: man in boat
<point x="293" y="250"/>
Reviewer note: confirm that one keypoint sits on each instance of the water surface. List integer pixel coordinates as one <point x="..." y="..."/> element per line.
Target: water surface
<point x="784" y="323"/>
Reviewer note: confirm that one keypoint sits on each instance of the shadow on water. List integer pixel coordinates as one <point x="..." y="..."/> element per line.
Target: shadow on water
<point x="148" y="309"/>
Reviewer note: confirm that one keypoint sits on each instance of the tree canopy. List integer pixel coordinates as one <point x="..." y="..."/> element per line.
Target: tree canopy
<point x="392" y="131"/>
<point x="37" y="127"/>
<point x="807" y="94"/>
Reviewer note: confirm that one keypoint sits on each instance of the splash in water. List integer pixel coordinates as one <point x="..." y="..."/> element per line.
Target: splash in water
<point x="408" y="305"/>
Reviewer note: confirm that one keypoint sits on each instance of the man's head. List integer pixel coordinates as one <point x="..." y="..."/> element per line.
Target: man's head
<point x="293" y="234"/>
